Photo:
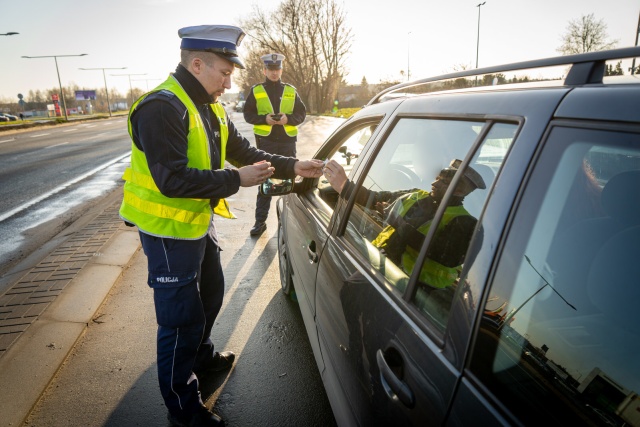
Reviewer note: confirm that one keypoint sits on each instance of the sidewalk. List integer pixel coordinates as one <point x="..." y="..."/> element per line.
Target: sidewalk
<point x="47" y="310"/>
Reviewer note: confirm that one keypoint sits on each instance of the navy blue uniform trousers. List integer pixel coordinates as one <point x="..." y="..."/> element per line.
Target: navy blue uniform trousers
<point x="188" y="288"/>
<point x="263" y="203"/>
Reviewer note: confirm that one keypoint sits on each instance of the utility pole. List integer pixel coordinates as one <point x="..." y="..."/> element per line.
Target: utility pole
<point x="55" y="57"/>
<point x="130" y="86"/>
<point x="105" y="83"/>
<point x="478" y="42"/>
<point x="633" y="63"/>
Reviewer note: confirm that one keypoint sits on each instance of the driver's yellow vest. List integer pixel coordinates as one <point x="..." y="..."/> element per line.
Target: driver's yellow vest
<point x="432" y="273"/>
<point x="154" y="213"/>
<point x="263" y="105"/>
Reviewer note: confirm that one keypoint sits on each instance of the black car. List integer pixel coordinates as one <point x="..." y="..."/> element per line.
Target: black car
<point x="10" y="117"/>
<point x="523" y="306"/>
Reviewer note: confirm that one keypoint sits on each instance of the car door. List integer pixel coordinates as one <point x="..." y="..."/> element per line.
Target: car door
<point x="558" y="341"/>
<point x="308" y="213"/>
<point x="380" y="327"/>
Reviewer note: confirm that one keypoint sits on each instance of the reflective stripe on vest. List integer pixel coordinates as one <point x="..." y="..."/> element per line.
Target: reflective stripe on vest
<point x="432" y="273"/>
<point x="264" y="107"/>
<point x="145" y="206"/>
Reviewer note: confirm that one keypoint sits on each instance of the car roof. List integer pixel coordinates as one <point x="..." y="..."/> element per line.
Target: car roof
<point x="585" y="69"/>
<point x="610" y="102"/>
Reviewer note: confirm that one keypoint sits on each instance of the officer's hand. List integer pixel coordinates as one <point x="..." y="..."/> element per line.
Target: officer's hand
<point x="309" y="168"/>
<point x="270" y="120"/>
<point x="283" y="120"/>
<point x="255" y="174"/>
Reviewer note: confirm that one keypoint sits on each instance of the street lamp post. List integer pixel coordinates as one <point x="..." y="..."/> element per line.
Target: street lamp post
<point x="55" y="57"/>
<point x="408" y="52"/>
<point x="144" y="80"/>
<point x="633" y="63"/>
<point x="130" y="87"/>
<point x="105" y="82"/>
<point x="478" y="40"/>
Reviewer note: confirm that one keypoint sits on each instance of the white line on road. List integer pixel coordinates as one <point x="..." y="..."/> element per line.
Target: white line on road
<point x="7" y="140"/>
<point x="40" y="134"/>
<point x="51" y="146"/>
<point x="98" y="135"/>
<point x="26" y="205"/>
<point x="69" y="130"/>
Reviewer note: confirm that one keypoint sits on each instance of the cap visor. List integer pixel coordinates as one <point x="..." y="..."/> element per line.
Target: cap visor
<point x="235" y="60"/>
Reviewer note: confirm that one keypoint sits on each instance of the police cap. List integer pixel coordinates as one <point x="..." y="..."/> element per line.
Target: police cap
<point x="273" y="61"/>
<point x="221" y="39"/>
<point x="471" y="174"/>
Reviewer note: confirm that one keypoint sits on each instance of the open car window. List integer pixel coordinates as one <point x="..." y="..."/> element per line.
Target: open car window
<point x="345" y="148"/>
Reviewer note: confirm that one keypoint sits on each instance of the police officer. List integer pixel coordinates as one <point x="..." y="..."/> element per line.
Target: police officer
<point x="408" y="218"/>
<point x="275" y="110"/>
<point x="181" y="137"/>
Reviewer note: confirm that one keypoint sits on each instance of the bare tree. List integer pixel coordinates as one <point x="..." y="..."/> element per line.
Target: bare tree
<point x="313" y="36"/>
<point x="585" y="35"/>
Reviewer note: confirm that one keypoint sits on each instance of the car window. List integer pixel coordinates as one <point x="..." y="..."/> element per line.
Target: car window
<point x="345" y="150"/>
<point x="440" y="272"/>
<point x="559" y="339"/>
<point x="395" y="203"/>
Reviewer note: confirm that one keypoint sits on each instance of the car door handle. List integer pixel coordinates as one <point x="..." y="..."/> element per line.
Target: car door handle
<point x="395" y="388"/>
<point x="311" y="252"/>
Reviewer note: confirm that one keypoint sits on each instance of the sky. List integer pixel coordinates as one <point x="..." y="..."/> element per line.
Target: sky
<point x="429" y="37"/>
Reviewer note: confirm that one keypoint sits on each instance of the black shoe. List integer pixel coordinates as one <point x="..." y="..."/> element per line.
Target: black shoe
<point x="258" y="228"/>
<point x="201" y="418"/>
<point x="219" y="362"/>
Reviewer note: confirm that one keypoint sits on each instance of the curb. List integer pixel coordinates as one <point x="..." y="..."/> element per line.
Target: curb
<point x="45" y="312"/>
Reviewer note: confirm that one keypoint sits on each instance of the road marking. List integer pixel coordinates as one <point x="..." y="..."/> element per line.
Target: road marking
<point x="51" y="146"/>
<point x="7" y="140"/>
<point x="30" y="203"/>
<point x="69" y="130"/>
<point x="98" y="135"/>
<point x="40" y="134"/>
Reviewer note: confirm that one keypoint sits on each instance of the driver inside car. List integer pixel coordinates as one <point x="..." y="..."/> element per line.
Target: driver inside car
<point x="408" y="216"/>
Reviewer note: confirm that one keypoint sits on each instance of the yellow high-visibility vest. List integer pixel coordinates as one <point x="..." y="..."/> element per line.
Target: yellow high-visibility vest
<point x="263" y="105"/>
<point x="432" y="273"/>
<point x="154" y="213"/>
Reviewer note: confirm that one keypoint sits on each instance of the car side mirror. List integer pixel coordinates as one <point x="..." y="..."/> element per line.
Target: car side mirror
<point x="347" y="155"/>
<point x="276" y="187"/>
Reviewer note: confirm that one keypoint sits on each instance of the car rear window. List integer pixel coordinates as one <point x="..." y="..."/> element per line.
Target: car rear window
<point x="560" y="333"/>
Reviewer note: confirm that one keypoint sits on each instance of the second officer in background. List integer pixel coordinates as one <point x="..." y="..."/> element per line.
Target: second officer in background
<point x="275" y="110"/>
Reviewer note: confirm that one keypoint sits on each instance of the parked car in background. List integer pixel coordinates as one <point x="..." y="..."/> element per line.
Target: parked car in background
<point x="3" y="118"/>
<point x="528" y="314"/>
<point x="240" y="106"/>
<point x="9" y="117"/>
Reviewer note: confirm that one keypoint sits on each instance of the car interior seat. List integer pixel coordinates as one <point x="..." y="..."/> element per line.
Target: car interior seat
<point x="612" y="283"/>
<point x="573" y="252"/>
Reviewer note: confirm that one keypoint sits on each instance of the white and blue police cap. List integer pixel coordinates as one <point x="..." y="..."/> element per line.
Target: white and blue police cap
<point x="273" y="61"/>
<point x="221" y="39"/>
<point x="470" y="173"/>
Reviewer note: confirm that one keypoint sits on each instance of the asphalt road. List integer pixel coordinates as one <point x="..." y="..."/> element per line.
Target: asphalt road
<point x="110" y="378"/>
<point x="49" y="176"/>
